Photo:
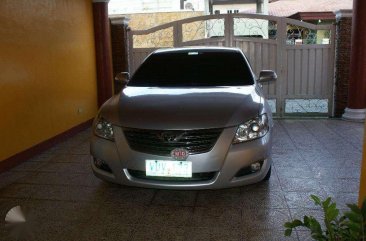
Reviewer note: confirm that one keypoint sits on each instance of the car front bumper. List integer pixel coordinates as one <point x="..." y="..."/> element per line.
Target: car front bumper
<point x="224" y="160"/>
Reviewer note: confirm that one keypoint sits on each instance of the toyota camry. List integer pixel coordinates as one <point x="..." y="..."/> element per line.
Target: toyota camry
<point x="188" y="118"/>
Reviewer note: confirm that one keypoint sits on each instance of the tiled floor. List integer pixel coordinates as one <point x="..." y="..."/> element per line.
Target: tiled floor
<point x="64" y="201"/>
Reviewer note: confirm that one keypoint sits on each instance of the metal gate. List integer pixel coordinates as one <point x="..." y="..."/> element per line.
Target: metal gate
<point x="302" y="54"/>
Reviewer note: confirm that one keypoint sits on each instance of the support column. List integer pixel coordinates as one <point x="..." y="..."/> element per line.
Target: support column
<point x="262" y="7"/>
<point x="356" y="108"/>
<point x="259" y="6"/>
<point x="207" y="7"/>
<point x="103" y="50"/>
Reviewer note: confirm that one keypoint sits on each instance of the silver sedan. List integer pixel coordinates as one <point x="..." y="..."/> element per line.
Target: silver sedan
<point x="189" y="118"/>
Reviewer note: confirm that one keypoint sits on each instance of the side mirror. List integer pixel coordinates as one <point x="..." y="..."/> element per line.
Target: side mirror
<point x="122" y="79"/>
<point x="267" y="76"/>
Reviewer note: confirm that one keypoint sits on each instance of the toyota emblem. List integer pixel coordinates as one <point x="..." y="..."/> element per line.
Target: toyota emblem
<point x="179" y="154"/>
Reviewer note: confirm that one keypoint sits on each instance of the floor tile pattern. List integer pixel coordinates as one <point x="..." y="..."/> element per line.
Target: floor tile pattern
<point x="64" y="201"/>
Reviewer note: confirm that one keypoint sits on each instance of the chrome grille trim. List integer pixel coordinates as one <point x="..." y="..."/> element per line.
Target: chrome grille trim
<point x="162" y="142"/>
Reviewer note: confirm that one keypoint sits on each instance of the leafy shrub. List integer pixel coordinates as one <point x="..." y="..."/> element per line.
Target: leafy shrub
<point x="351" y="226"/>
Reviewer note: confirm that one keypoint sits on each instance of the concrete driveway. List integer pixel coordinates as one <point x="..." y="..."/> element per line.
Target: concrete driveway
<point x="64" y="201"/>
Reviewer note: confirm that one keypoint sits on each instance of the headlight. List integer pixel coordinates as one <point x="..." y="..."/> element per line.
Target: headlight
<point x="252" y="129"/>
<point x="104" y="129"/>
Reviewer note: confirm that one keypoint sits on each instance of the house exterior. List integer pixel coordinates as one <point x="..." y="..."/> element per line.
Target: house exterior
<point x="312" y="11"/>
<point x="208" y="6"/>
<point x="149" y="6"/>
<point x="236" y="6"/>
<point x="305" y="9"/>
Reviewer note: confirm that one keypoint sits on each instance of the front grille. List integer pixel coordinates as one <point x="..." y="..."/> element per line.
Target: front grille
<point x="202" y="176"/>
<point x="162" y="142"/>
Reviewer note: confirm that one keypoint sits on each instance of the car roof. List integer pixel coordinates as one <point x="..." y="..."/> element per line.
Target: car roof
<point x="197" y="49"/>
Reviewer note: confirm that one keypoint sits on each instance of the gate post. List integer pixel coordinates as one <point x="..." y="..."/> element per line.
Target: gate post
<point x="281" y="71"/>
<point x="177" y="34"/>
<point x="342" y="60"/>
<point x="228" y="30"/>
<point x="119" y="35"/>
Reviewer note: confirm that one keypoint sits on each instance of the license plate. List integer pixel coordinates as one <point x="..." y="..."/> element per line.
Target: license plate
<point x="160" y="168"/>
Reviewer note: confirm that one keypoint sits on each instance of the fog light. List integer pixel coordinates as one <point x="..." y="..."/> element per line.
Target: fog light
<point x="98" y="163"/>
<point x="255" y="167"/>
<point x="250" y="169"/>
<point x="102" y="165"/>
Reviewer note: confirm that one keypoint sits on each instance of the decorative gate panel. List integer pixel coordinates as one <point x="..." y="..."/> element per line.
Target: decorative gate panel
<point x="302" y="54"/>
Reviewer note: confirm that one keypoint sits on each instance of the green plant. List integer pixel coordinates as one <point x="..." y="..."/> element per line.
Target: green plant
<point x="351" y="226"/>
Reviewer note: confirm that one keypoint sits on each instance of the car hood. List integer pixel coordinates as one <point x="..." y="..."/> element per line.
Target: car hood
<point x="182" y="108"/>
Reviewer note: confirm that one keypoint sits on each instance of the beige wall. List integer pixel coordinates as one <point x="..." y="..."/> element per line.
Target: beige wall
<point x="48" y="73"/>
<point x="163" y="38"/>
<point x="142" y="21"/>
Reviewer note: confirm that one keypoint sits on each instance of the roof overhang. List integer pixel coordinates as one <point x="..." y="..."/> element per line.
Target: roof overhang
<point x="309" y="16"/>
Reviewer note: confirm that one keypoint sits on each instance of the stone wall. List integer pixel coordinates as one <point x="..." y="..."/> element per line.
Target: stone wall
<point x="342" y="61"/>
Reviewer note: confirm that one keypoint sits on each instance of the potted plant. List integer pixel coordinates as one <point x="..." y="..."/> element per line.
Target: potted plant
<point x="351" y="226"/>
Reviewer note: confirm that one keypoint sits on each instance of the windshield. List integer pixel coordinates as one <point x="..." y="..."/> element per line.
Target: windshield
<point x="193" y="69"/>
